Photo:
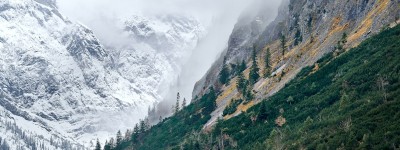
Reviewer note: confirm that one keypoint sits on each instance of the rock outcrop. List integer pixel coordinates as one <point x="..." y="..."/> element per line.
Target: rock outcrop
<point x="311" y="29"/>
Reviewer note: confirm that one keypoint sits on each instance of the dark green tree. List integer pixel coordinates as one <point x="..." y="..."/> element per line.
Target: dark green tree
<point x="178" y="97"/>
<point x="98" y="146"/>
<point x="224" y="74"/>
<point x="254" y="70"/>
<point x="283" y="45"/>
<point x="234" y="68"/>
<point x="107" y="146"/>
<point x="118" y="141"/>
<point x="111" y="143"/>
<point x="242" y="66"/>
<point x="136" y="132"/>
<point x="298" y="38"/>
<point x="248" y="94"/>
<point x="240" y="82"/>
<point x="142" y="126"/>
<point x="211" y="100"/>
<point x="147" y="123"/>
<point x="267" y="62"/>
<point x="184" y="103"/>
<point x="262" y="112"/>
<point x="340" y="44"/>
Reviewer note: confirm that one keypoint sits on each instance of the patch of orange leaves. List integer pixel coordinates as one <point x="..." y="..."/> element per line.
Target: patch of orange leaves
<point x="366" y="24"/>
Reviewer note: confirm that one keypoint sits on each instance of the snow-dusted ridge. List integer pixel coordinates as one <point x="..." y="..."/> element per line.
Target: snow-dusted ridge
<point x="59" y="82"/>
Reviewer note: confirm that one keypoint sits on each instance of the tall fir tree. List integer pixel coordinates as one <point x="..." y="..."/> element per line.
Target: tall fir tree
<point x="283" y="45"/>
<point x="340" y="44"/>
<point x="111" y="143"/>
<point x="254" y="70"/>
<point x="184" y="103"/>
<point x="213" y="96"/>
<point x="240" y="83"/>
<point x="136" y="132"/>
<point x="262" y="113"/>
<point x="267" y="62"/>
<point x="118" y="142"/>
<point x="98" y="146"/>
<point x="147" y="123"/>
<point x="177" y="103"/>
<point x="128" y="134"/>
<point x="142" y="126"/>
<point x="224" y="74"/>
<point x="298" y="38"/>
<point x="242" y="66"/>
<point x="248" y="94"/>
<point x="107" y="146"/>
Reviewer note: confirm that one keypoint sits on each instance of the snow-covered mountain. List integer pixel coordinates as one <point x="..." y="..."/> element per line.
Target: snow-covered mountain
<point x="162" y="45"/>
<point x="60" y="86"/>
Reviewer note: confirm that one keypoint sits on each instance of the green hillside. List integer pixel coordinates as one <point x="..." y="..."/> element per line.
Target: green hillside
<point x="350" y="102"/>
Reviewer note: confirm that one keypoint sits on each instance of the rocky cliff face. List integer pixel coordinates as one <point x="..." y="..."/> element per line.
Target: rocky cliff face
<point x="59" y="86"/>
<point x="246" y="32"/>
<point x="311" y="29"/>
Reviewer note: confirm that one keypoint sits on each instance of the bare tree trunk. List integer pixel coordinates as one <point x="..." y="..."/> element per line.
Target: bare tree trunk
<point x="382" y="83"/>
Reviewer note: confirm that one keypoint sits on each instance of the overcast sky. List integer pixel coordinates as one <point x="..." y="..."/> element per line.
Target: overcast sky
<point x="85" y="10"/>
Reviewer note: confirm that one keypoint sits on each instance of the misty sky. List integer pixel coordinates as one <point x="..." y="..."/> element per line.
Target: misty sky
<point x="86" y="10"/>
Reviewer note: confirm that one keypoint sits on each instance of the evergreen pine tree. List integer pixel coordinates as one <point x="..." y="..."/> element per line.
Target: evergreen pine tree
<point x="283" y="45"/>
<point x="267" y="60"/>
<point x="142" y="126"/>
<point x="98" y="146"/>
<point x="213" y="96"/>
<point x="298" y="37"/>
<point x="128" y="134"/>
<point x="136" y="132"/>
<point x="177" y="103"/>
<point x="111" y="143"/>
<point x="254" y="70"/>
<point x="262" y="113"/>
<point x="224" y="74"/>
<point x="184" y="103"/>
<point x="107" y="146"/>
<point x="242" y="66"/>
<point x="209" y="101"/>
<point x="147" y="123"/>
<point x="118" y="140"/>
<point x="340" y="45"/>
<point x="240" y="83"/>
<point x="248" y="94"/>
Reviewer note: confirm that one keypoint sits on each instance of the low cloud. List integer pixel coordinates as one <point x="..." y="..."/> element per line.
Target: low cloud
<point x="218" y="16"/>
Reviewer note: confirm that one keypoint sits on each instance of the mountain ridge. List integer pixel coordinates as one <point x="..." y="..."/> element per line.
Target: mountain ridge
<point x="58" y="81"/>
<point x="319" y="24"/>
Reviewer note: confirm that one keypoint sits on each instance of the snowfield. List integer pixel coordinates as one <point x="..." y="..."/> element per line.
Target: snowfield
<point x="60" y="87"/>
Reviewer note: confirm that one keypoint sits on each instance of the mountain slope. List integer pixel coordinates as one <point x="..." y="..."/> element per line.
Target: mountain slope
<point x="302" y="33"/>
<point x="350" y="102"/>
<point x="58" y="82"/>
